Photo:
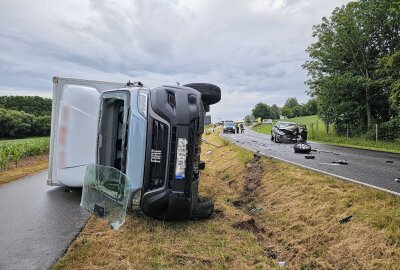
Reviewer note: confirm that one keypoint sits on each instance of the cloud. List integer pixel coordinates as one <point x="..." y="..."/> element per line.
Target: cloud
<point x="252" y="49"/>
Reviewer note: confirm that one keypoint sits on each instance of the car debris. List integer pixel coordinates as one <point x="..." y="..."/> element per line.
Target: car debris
<point x="341" y="162"/>
<point x="302" y="147"/>
<point x="254" y="209"/>
<point x="397" y="180"/>
<point x="389" y="161"/>
<point x="309" y="157"/>
<point x="346" y="219"/>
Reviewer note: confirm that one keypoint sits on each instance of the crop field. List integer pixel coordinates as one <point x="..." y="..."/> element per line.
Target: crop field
<point x="317" y="132"/>
<point x="15" y="150"/>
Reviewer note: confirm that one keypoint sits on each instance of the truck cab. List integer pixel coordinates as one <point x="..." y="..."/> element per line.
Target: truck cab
<point x="152" y="136"/>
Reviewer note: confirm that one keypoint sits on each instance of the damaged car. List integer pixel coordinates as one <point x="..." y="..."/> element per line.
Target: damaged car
<point x="131" y="146"/>
<point x="288" y="132"/>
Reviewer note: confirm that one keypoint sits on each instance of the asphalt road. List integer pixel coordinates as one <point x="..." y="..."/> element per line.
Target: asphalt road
<point x="371" y="168"/>
<point x="37" y="222"/>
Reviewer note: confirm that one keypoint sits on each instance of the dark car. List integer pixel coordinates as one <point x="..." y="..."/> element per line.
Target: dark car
<point x="229" y="127"/>
<point x="288" y="132"/>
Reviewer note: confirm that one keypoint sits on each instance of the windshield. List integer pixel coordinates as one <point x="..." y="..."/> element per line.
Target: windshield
<point x="286" y="124"/>
<point x="229" y="124"/>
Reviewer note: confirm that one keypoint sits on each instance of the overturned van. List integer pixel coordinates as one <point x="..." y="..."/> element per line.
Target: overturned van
<point x="149" y="138"/>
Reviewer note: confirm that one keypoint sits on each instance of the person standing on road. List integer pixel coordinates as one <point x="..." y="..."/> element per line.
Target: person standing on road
<point x="237" y="128"/>
<point x="241" y="128"/>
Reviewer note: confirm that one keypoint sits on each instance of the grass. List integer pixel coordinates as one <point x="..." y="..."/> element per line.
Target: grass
<point x="317" y="132"/>
<point x="297" y="222"/>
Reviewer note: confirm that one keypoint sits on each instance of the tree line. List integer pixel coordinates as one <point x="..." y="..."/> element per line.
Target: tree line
<point x="291" y="109"/>
<point x="24" y="116"/>
<point x="354" y="66"/>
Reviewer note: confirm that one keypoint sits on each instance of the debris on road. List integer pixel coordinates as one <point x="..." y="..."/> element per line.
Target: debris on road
<point x="341" y="162"/>
<point x="397" y="180"/>
<point x="389" y="161"/>
<point x="309" y="157"/>
<point x="346" y="219"/>
<point x="302" y="147"/>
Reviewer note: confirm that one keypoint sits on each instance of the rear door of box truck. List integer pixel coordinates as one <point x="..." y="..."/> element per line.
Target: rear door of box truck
<point x="74" y="128"/>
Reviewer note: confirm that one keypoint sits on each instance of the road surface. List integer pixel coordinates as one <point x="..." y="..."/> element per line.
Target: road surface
<point x="371" y="168"/>
<point x="37" y="222"/>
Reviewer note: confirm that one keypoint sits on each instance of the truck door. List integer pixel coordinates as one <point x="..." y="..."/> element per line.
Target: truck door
<point x="74" y="128"/>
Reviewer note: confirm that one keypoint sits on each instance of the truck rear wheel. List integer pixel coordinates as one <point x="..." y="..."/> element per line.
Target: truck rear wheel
<point x="210" y="93"/>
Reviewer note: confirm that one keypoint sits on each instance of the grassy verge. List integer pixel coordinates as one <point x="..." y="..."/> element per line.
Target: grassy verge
<point x="27" y="167"/>
<point x="266" y="211"/>
<point x="317" y="132"/>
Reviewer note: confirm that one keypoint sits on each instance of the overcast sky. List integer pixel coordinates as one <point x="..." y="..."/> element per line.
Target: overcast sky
<point x="252" y="49"/>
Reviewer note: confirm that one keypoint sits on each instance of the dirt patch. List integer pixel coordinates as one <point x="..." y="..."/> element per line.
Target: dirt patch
<point x="218" y="213"/>
<point x="254" y="172"/>
<point x="249" y="225"/>
<point x="238" y="203"/>
<point x="26" y="166"/>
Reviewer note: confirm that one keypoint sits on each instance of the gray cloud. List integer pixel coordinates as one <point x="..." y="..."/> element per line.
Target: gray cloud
<point x="252" y="49"/>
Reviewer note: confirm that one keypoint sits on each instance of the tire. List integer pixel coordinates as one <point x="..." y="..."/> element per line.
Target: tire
<point x="272" y="137"/>
<point x="203" y="209"/>
<point x="210" y="93"/>
<point x="303" y="148"/>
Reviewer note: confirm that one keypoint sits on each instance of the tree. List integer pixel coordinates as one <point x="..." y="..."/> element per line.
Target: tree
<point x="249" y="118"/>
<point x="296" y="111"/>
<point x="311" y="107"/>
<point x="286" y="111"/>
<point x="348" y="50"/>
<point x="262" y="110"/>
<point x="291" y="103"/>
<point x="389" y="75"/>
<point x="275" y="113"/>
<point x="30" y="104"/>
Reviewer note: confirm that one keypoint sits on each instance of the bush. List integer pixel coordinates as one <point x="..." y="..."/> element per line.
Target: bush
<point x="19" y="124"/>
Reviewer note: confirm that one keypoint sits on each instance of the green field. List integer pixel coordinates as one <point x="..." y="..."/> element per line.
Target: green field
<point x="14" y="150"/>
<point x="317" y="132"/>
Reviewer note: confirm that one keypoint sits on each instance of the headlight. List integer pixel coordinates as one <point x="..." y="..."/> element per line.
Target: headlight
<point x="142" y="102"/>
<point x="181" y="153"/>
